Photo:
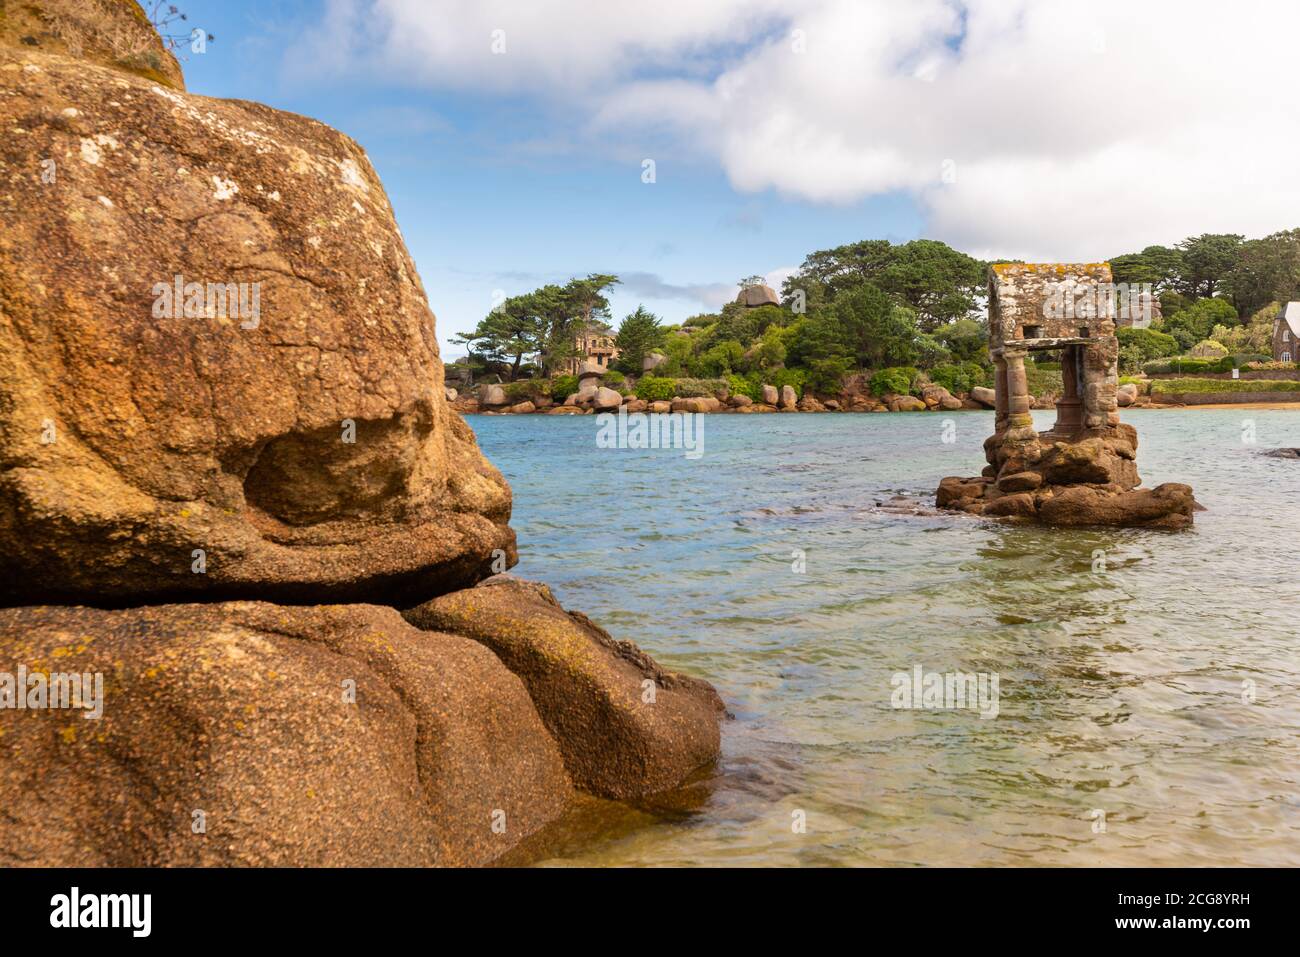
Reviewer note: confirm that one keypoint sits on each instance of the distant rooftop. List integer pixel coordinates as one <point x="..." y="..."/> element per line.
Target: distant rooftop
<point x="1291" y="313"/>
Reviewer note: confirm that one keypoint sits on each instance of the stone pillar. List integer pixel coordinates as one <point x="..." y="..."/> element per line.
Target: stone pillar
<point x="1069" y="408"/>
<point x="1000" y="398"/>
<point x="1017" y="385"/>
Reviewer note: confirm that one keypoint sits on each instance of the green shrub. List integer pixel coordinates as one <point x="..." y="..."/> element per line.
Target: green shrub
<point x="613" y="378"/>
<point x="827" y="375"/>
<point x="1177" y="364"/>
<point x="1180" y="364"/>
<point x="1175" y="386"/>
<point x="958" y="378"/>
<point x="697" y="388"/>
<point x="781" y="378"/>
<point x="1243" y="359"/>
<point x="746" y="385"/>
<point x="527" y="389"/>
<point x="896" y="379"/>
<point x="563" y="386"/>
<point x="1149" y="343"/>
<point x="1209" y="349"/>
<point x="1042" y="381"/>
<point x="655" y="388"/>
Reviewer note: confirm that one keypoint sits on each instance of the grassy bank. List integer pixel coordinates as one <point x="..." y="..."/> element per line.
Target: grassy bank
<point x="1205" y="386"/>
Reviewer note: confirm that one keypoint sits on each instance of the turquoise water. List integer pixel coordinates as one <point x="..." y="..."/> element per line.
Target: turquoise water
<point x="1155" y="694"/>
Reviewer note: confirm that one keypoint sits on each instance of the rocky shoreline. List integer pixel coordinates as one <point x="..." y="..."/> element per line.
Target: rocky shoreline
<point x="267" y="536"/>
<point x="492" y="400"/>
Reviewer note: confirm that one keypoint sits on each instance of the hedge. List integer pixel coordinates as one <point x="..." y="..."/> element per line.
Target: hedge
<point x="697" y="388"/>
<point x="1185" y="364"/>
<point x="656" y="388"/>
<point x="1177" y="386"/>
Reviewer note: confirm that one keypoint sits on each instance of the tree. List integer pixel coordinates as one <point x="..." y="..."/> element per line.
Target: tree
<point x="873" y="329"/>
<point x="966" y="339"/>
<point x="724" y="358"/>
<point x="508" y="333"/>
<point x="638" y="334"/>
<point x="938" y="282"/>
<point x="579" y="304"/>
<point x="1198" y="320"/>
<point x="1209" y="258"/>
<point x="1162" y="266"/>
<point x="1266" y="270"/>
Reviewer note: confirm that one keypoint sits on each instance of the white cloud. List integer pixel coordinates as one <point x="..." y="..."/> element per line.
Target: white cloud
<point x="1074" y="130"/>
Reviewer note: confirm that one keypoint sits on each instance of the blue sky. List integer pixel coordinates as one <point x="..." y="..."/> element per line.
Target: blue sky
<point x="485" y="205"/>
<point x="510" y="134"/>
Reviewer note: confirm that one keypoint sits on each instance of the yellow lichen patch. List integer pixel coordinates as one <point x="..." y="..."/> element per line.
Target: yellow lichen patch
<point x="69" y="734"/>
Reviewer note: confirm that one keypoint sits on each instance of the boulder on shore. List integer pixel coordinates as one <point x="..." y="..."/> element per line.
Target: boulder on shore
<point x="626" y="727"/>
<point x="193" y="458"/>
<point x="770" y="395"/>
<point x="327" y="736"/>
<point x="985" y="397"/>
<point x="789" y="398"/>
<point x="289" y="439"/>
<point x="904" y="403"/>
<point x="606" y="399"/>
<point x="492" y="396"/>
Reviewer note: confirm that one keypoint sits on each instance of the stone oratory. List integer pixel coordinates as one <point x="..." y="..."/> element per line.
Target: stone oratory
<point x="1083" y="470"/>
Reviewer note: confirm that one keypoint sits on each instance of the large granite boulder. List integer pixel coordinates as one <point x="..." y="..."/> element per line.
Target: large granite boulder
<point x="904" y="403"/>
<point x="251" y="734"/>
<point x="762" y="294"/>
<point x="985" y="397"/>
<point x="1170" y="505"/>
<point x="220" y="387"/>
<point x="1089" y="479"/>
<point x="112" y="33"/>
<point x="626" y="726"/>
<point x="493" y="396"/>
<point x="279" y="428"/>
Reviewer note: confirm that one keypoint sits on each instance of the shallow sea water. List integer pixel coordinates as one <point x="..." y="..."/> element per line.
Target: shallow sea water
<point x="1149" y="710"/>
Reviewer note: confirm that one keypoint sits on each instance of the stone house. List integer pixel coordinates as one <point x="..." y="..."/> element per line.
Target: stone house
<point x="592" y="344"/>
<point x="1286" y="334"/>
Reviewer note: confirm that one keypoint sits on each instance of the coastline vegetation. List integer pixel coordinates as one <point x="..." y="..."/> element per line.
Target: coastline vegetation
<point x="900" y="316"/>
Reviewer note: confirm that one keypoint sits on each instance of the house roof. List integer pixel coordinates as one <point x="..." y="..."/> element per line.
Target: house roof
<point x="1291" y="314"/>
